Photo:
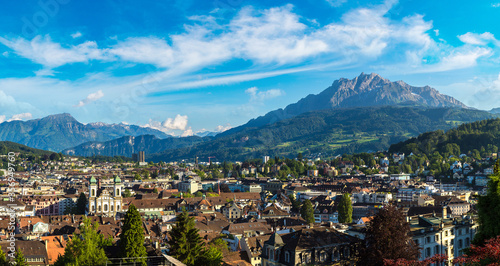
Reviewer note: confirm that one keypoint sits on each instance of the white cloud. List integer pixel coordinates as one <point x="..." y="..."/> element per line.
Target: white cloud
<point x="22" y="116"/>
<point x="43" y="51"/>
<point x="45" y="72"/>
<point x="457" y="60"/>
<point x="2" y="118"/>
<point x="495" y="4"/>
<point x="259" y="96"/>
<point x="179" y="122"/>
<point x="478" y="39"/>
<point x="222" y="128"/>
<point x="90" y="98"/>
<point x="170" y="125"/>
<point x="76" y="35"/>
<point x="188" y="132"/>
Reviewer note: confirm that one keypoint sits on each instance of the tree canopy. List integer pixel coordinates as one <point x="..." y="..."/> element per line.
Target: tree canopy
<point x="132" y="237"/>
<point x="489" y="209"/>
<point x="86" y="249"/>
<point x="345" y="209"/>
<point x="185" y="242"/>
<point x="388" y="237"/>
<point x="307" y="211"/>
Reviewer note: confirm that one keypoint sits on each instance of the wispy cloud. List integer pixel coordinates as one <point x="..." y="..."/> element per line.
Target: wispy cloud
<point x="42" y="50"/>
<point x="260" y="96"/>
<point x="90" y="98"/>
<point x="336" y="3"/>
<point x="22" y="116"/>
<point x="76" y="35"/>
<point x="478" y="39"/>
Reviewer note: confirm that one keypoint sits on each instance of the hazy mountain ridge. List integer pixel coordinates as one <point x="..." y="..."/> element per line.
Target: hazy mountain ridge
<point x="61" y="131"/>
<point x="126" y="146"/>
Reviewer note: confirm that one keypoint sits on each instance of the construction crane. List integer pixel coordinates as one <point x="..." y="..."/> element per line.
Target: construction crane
<point x="210" y="157"/>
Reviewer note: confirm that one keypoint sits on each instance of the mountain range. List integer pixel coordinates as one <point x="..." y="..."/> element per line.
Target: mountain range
<point x="366" y="113"/>
<point x="62" y="131"/>
<point x="366" y="90"/>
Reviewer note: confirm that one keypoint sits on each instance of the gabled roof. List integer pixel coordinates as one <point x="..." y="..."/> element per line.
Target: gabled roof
<point x="275" y="240"/>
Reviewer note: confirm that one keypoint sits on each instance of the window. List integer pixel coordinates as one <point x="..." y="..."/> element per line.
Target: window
<point x="287" y="256"/>
<point x="446" y="242"/>
<point x="467" y="242"/>
<point x="99" y="208"/>
<point x="112" y="208"/>
<point x="446" y="233"/>
<point x="437" y="238"/>
<point x="117" y="207"/>
<point x="117" y="192"/>
<point x="93" y="208"/>
<point x="428" y="239"/>
<point x="436" y="249"/>
<point x="93" y="192"/>
<point x="428" y="252"/>
<point x="105" y="207"/>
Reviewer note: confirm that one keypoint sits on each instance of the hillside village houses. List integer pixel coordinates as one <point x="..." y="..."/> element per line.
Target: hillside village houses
<point x="254" y="214"/>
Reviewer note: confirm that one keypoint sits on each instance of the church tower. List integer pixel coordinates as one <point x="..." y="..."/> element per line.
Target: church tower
<point x="117" y="193"/>
<point x="92" y="194"/>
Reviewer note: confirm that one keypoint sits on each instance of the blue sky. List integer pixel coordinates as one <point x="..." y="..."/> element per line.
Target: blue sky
<point x="184" y="66"/>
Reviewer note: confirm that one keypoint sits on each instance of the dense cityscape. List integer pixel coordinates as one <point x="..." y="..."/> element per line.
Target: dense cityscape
<point x="243" y="213"/>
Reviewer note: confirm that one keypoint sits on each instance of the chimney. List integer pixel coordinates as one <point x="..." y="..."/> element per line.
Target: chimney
<point x="445" y="215"/>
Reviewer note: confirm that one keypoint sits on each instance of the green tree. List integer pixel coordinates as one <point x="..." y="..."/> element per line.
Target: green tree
<point x="85" y="249"/>
<point x="3" y="259"/>
<point x="137" y="176"/>
<point x="307" y="212"/>
<point x="489" y="209"/>
<point x="132" y="237"/>
<point x="127" y="193"/>
<point x="388" y="238"/>
<point x="185" y="241"/>
<point x="198" y="194"/>
<point x="212" y="254"/>
<point x="81" y="204"/>
<point x="345" y="209"/>
<point x="20" y="260"/>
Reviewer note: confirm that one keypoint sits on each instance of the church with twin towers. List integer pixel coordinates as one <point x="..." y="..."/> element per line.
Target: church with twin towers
<point x="105" y="201"/>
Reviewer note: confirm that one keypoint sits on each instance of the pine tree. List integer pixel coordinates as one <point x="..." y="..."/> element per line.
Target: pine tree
<point x="307" y="211"/>
<point x="85" y="249"/>
<point x="81" y="204"/>
<point x="20" y="260"/>
<point x="345" y="209"/>
<point x="132" y="236"/>
<point x="388" y="237"/>
<point x="489" y="209"/>
<point x="185" y="242"/>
